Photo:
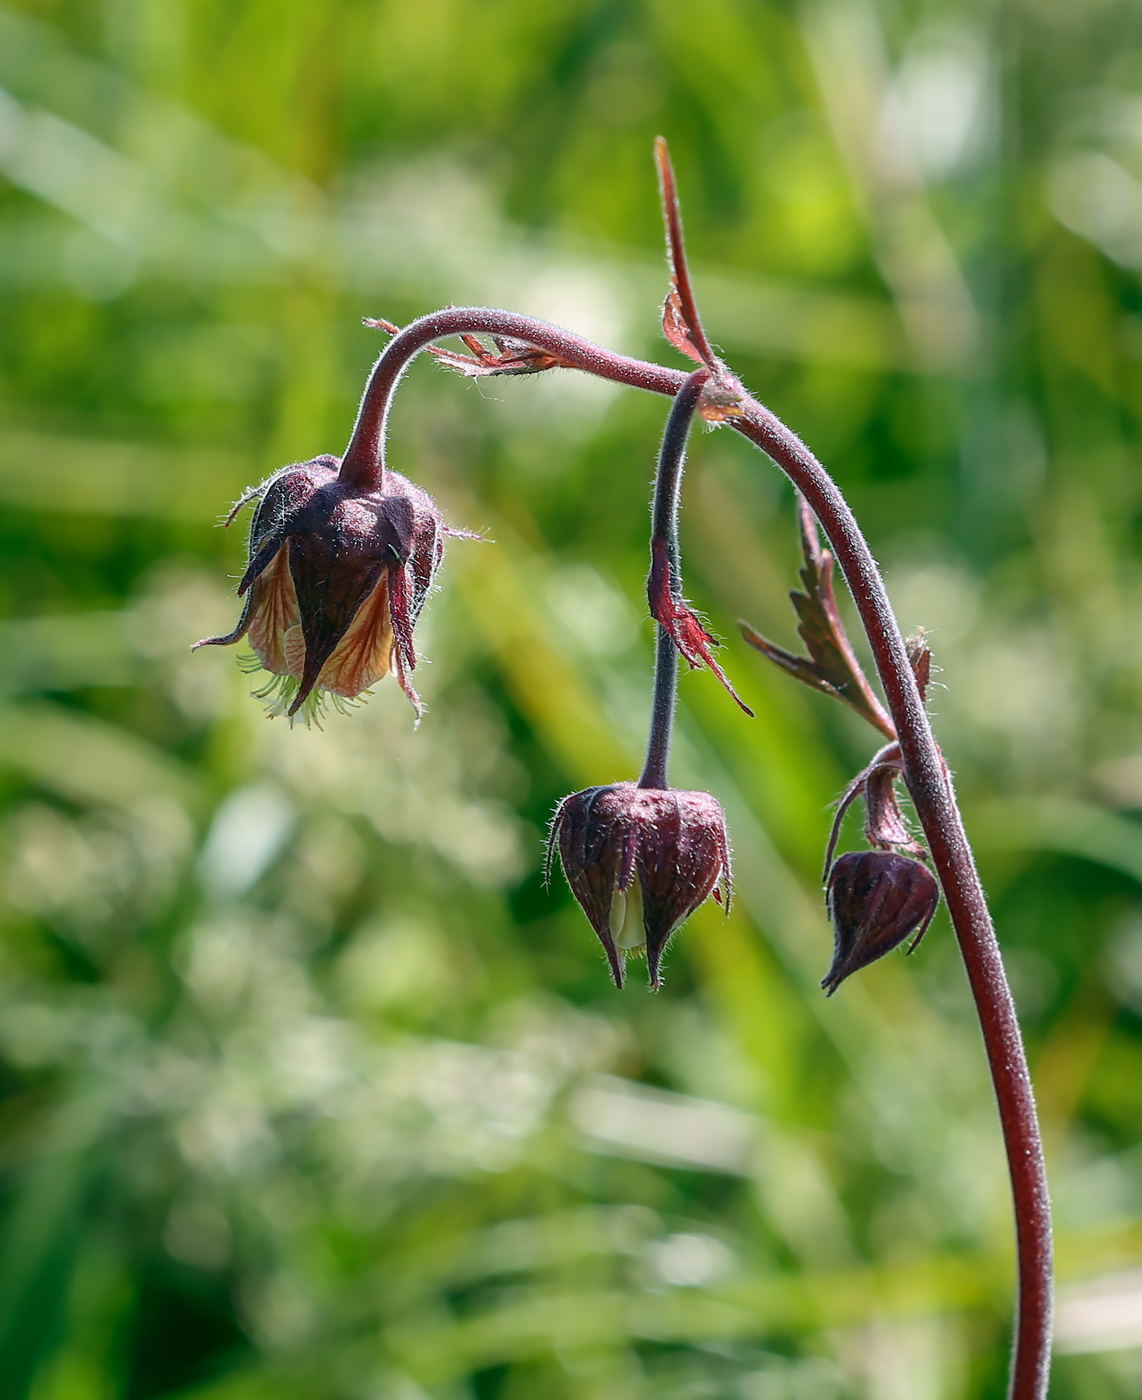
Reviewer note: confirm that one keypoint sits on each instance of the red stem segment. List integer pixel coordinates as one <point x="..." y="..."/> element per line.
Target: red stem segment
<point x="929" y="782"/>
<point x="933" y="796"/>
<point x="363" y="463"/>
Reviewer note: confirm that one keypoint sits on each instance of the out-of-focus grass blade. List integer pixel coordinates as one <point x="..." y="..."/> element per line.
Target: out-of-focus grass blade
<point x="38" y="1248"/>
<point x="89" y="477"/>
<point x="1064" y="826"/>
<point x="88" y="760"/>
<point x="67" y="652"/>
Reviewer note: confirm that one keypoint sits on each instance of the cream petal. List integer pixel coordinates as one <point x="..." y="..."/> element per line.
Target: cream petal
<point x="273" y="612"/>
<point x="626" y="919"/>
<point x="364" y="653"/>
<point x="293" y="647"/>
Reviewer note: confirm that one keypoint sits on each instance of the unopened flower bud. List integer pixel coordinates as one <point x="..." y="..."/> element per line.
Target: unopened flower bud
<point x="877" y="899"/>
<point x="640" y="861"/>
<point x="335" y="582"/>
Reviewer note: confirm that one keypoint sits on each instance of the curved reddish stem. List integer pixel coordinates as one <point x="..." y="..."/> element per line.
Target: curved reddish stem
<point x="363" y="463"/>
<point x="933" y="796"/>
<point x="929" y="782"/>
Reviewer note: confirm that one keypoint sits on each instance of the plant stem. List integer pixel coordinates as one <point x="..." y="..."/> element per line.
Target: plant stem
<point x="363" y="463"/>
<point x="664" y="531"/>
<point x="933" y="796"/>
<point x="929" y="782"/>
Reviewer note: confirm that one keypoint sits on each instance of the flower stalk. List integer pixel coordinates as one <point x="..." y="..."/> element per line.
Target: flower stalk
<point x="928" y="781"/>
<point x="933" y="797"/>
<point x="664" y="544"/>
<point x="524" y="345"/>
<point x="641" y="857"/>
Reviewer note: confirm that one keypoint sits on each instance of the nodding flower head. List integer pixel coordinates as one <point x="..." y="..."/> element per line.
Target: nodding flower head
<point x="877" y="899"/>
<point x="640" y="861"/>
<point x="335" y="581"/>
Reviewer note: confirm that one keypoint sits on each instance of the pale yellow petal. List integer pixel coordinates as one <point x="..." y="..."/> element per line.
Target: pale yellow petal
<point x="626" y="918"/>
<point x="293" y="648"/>
<point x="364" y="653"/>
<point x="273" y="611"/>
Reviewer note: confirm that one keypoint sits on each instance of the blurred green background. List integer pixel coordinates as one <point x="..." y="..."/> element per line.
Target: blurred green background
<point x="310" y="1088"/>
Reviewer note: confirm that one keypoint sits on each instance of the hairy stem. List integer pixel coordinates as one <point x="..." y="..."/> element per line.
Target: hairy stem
<point x="363" y="463"/>
<point x="664" y="531"/>
<point x="933" y="796"/>
<point x="928" y="780"/>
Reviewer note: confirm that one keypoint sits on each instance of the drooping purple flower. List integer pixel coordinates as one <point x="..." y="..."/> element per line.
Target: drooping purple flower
<point x="640" y="861"/>
<point x="335" y="582"/>
<point x="876" y="900"/>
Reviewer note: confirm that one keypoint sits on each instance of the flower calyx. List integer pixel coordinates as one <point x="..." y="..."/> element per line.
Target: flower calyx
<point x="876" y="900"/>
<point x="335" y="582"/>
<point x="640" y="861"/>
<point x="885" y="825"/>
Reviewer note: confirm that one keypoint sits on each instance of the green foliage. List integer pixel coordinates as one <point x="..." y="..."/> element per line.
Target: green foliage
<point x="310" y="1088"/>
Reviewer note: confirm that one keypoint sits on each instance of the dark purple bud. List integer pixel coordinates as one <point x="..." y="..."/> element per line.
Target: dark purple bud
<point x="335" y="582"/>
<point x="640" y="861"/>
<point x="877" y="899"/>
